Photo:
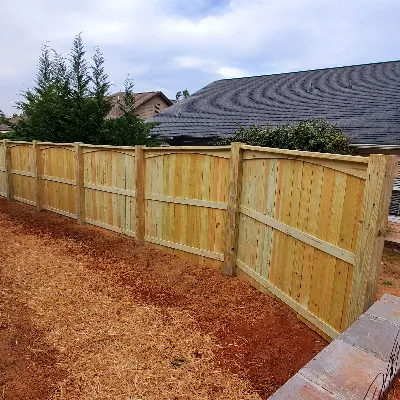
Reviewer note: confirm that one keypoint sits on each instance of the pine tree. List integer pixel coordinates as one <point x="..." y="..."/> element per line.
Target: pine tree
<point x="82" y="109"/>
<point x="99" y="92"/>
<point x="79" y="70"/>
<point x="70" y="103"/>
<point x="40" y="104"/>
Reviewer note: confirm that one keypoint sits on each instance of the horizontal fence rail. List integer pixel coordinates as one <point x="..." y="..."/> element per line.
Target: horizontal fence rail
<point x="307" y="227"/>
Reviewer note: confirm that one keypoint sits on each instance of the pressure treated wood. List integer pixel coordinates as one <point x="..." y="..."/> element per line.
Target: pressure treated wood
<point x="7" y="168"/>
<point x="307" y="227"/>
<point x="320" y="324"/>
<point x="79" y="182"/>
<point x="232" y="224"/>
<point x="8" y="174"/>
<point x="382" y="170"/>
<point x="37" y="173"/>
<point x="311" y="240"/>
<point x="109" y="181"/>
<point x="58" y="182"/>
<point x="140" y="165"/>
<point x="183" y="200"/>
<point x="186" y="201"/>
<point x="298" y="228"/>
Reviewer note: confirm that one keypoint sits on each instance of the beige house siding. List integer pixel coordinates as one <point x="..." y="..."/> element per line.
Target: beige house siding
<point x="148" y="104"/>
<point x="152" y="107"/>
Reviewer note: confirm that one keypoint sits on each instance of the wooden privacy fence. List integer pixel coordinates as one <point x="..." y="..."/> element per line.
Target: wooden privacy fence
<point x="307" y="227"/>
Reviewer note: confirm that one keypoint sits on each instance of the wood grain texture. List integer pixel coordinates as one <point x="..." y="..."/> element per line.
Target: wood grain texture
<point x="319" y="323"/>
<point x="22" y="177"/>
<point x="109" y="181"/>
<point x="232" y="223"/>
<point x="79" y="184"/>
<point x="38" y="173"/>
<point x="58" y="181"/>
<point x="381" y="173"/>
<point x="298" y="220"/>
<point x="7" y="177"/>
<point x="140" y="171"/>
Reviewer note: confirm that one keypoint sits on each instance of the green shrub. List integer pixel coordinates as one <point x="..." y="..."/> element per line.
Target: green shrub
<point x="311" y="135"/>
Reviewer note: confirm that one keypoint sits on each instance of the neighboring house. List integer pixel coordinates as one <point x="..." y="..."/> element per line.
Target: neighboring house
<point x="362" y="99"/>
<point x="148" y="104"/>
<point x="4" y="128"/>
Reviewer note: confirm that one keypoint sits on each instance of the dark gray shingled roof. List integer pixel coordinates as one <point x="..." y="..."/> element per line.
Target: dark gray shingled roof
<point x="362" y="99"/>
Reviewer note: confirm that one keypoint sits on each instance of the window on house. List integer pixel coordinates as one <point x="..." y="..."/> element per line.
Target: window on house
<point x="157" y="108"/>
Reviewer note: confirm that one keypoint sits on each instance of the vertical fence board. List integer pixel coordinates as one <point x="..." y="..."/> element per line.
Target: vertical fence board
<point x="381" y="173"/>
<point x="140" y="178"/>
<point x="232" y="223"/>
<point x="38" y="174"/>
<point x="79" y="183"/>
<point x="7" y="187"/>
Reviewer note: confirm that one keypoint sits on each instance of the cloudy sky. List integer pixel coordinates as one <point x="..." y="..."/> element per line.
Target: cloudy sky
<point x="171" y="45"/>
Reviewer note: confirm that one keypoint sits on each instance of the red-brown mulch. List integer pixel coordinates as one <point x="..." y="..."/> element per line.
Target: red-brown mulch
<point x="259" y="338"/>
<point x="28" y="366"/>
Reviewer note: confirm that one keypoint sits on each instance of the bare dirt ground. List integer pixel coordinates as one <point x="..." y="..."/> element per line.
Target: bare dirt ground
<point x="389" y="281"/>
<point x="86" y="314"/>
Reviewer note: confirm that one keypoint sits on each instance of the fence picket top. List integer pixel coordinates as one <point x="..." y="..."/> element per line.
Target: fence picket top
<point x="103" y="146"/>
<point x="189" y="148"/>
<point x="297" y="153"/>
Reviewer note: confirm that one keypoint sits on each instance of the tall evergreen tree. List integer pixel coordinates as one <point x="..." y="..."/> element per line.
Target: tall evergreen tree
<point x="40" y="104"/>
<point x="70" y="103"/>
<point x="100" y="94"/>
<point x="82" y="115"/>
<point x="79" y="73"/>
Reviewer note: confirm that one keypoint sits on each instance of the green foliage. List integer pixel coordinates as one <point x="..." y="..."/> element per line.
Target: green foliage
<point x="387" y="283"/>
<point x="182" y="95"/>
<point x="311" y="135"/>
<point x="70" y="102"/>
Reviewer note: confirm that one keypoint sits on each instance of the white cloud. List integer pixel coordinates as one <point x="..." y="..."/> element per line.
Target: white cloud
<point x="210" y="66"/>
<point x="174" y="44"/>
<point x="231" y="72"/>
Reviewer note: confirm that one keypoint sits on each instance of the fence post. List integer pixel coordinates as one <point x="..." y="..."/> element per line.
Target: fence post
<point x="37" y="171"/>
<point x="9" y="182"/>
<point x="232" y="221"/>
<point x="79" y="182"/>
<point x="381" y="172"/>
<point x="140" y="179"/>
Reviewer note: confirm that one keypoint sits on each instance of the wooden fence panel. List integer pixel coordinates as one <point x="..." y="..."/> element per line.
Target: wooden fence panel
<point x="299" y="224"/>
<point x="22" y="172"/>
<point x="57" y="178"/>
<point x="186" y="201"/>
<point x="109" y="181"/>
<point x="307" y="227"/>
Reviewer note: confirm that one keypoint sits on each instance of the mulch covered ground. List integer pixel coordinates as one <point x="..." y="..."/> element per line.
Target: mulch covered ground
<point x="87" y="314"/>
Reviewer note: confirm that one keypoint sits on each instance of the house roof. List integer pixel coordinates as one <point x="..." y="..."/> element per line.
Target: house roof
<point x="362" y="99"/>
<point x="141" y="98"/>
<point x="4" y="128"/>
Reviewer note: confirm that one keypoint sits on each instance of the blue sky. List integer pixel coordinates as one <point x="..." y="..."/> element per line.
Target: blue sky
<point x="171" y="45"/>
